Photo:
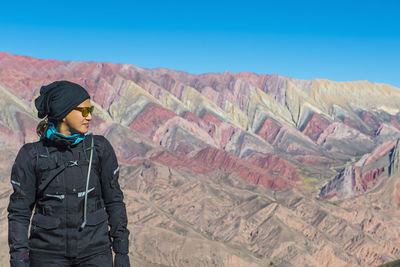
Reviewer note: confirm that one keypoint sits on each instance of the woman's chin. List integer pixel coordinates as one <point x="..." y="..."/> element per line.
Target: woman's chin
<point x="82" y="130"/>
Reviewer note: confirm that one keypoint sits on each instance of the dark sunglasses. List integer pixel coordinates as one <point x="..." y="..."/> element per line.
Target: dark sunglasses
<point x="85" y="110"/>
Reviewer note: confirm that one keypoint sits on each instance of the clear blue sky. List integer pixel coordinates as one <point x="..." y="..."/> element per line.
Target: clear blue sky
<point x="332" y="39"/>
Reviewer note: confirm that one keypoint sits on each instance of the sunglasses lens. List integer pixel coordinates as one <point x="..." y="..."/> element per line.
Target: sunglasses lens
<point x="87" y="110"/>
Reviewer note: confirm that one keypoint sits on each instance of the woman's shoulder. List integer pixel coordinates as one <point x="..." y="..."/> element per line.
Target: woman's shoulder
<point x="100" y="139"/>
<point x="30" y="148"/>
<point x="101" y="143"/>
<point x="28" y="152"/>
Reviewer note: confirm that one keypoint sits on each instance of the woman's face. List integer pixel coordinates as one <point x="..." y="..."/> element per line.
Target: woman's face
<point x="74" y="122"/>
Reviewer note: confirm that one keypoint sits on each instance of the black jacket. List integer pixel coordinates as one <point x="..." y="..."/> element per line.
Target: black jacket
<point x="51" y="177"/>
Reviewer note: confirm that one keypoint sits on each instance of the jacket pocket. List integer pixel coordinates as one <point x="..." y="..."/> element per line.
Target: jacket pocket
<point x="95" y="235"/>
<point x="96" y="217"/>
<point x="45" y="222"/>
<point x="46" y="234"/>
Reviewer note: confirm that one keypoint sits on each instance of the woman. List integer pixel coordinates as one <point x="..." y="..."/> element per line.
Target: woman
<point x="70" y="178"/>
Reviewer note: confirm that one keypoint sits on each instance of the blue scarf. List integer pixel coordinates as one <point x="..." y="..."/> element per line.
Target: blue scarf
<point x="53" y="135"/>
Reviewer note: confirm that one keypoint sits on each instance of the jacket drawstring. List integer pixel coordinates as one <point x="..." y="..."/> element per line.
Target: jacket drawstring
<point x="87" y="185"/>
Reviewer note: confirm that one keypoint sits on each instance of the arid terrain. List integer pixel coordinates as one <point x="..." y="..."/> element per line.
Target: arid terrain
<point x="231" y="169"/>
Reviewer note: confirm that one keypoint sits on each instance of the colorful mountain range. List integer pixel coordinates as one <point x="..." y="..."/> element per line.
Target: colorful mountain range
<point x="232" y="169"/>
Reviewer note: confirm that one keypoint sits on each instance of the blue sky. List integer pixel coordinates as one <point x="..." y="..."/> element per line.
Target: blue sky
<point x="336" y="40"/>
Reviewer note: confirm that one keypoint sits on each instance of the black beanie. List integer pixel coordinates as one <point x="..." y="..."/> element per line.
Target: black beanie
<point x="58" y="99"/>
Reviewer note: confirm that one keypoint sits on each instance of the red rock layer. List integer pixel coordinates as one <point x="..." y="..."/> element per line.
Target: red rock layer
<point x="223" y="160"/>
<point x="208" y="122"/>
<point x="25" y="75"/>
<point x="372" y="121"/>
<point x="269" y="130"/>
<point x="20" y="74"/>
<point x="363" y="178"/>
<point x="276" y="164"/>
<point x="351" y="123"/>
<point x="211" y="158"/>
<point x="211" y="119"/>
<point x="150" y="119"/>
<point x="316" y="125"/>
<point x="313" y="160"/>
<point x="395" y="122"/>
<point x="226" y="134"/>
<point x="370" y="179"/>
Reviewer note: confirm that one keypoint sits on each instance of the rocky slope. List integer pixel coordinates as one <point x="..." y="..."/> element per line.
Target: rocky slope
<point x="232" y="169"/>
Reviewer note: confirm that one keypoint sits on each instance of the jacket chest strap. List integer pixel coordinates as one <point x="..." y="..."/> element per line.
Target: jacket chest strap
<point x="73" y="163"/>
<point x="78" y="163"/>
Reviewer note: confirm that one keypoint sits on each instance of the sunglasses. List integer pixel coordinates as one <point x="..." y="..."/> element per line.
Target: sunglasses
<point x="85" y="110"/>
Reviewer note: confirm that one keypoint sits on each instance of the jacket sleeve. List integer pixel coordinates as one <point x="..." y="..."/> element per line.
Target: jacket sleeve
<point x="22" y="201"/>
<point x="113" y="197"/>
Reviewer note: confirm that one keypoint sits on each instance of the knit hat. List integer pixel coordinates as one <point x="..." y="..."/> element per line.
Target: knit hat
<point x="58" y="99"/>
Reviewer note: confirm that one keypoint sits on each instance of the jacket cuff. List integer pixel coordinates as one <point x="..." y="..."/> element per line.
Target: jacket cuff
<point x="20" y="255"/>
<point x="19" y="263"/>
<point x="121" y="246"/>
